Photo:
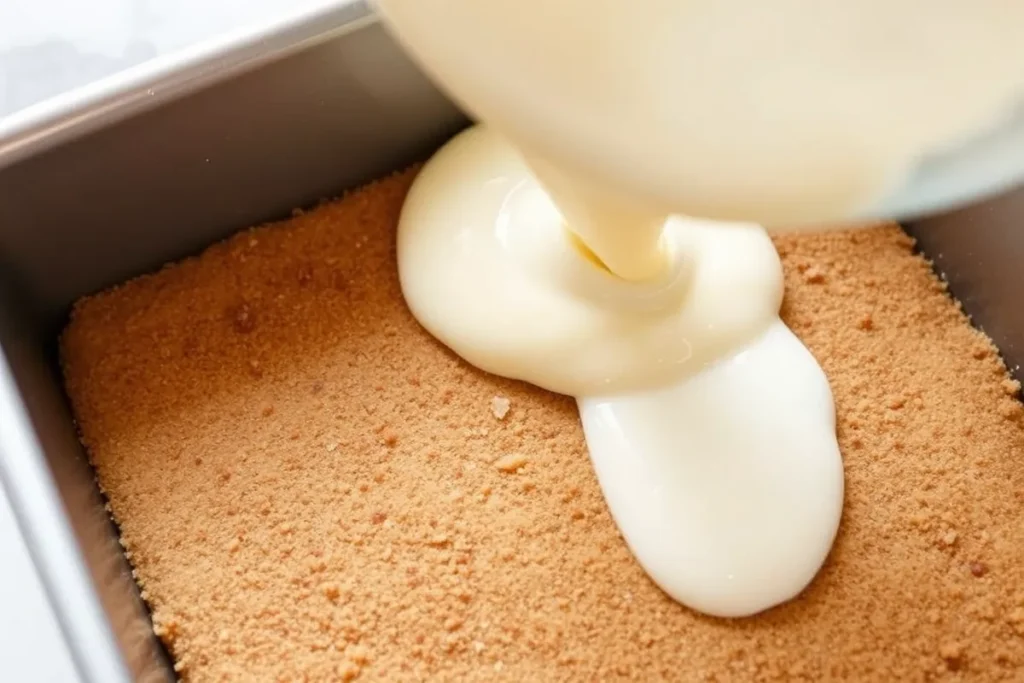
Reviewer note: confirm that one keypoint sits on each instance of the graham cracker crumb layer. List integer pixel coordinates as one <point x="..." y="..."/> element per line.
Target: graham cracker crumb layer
<point x="311" y="488"/>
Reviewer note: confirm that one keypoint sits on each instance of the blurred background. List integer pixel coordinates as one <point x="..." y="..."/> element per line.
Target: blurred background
<point x="50" y="46"/>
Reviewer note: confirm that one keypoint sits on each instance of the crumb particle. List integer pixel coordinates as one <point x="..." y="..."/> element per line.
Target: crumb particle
<point x="243" y="319"/>
<point x="814" y="275"/>
<point x="510" y="463"/>
<point x="348" y="671"/>
<point x="952" y="653"/>
<point x="500" y="407"/>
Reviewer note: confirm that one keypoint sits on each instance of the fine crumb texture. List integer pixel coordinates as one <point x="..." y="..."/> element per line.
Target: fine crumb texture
<point x="312" y="489"/>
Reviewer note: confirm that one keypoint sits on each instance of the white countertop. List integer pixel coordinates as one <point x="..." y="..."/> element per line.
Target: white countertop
<point x="49" y="47"/>
<point x="30" y="646"/>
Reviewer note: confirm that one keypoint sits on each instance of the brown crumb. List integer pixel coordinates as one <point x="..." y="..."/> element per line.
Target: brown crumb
<point x="255" y="371"/>
<point x="348" y="670"/>
<point x="814" y="276"/>
<point x="358" y="654"/>
<point x="948" y="539"/>
<point x="509" y="583"/>
<point x="1011" y="409"/>
<point x="978" y="569"/>
<point x="1016" y="620"/>
<point x="952" y="653"/>
<point x="243" y="319"/>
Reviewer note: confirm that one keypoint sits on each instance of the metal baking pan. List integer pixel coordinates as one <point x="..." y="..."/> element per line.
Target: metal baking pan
<point x="156" y="163"/>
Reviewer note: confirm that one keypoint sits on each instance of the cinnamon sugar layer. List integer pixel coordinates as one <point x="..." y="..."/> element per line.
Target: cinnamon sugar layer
<point x="311" y="488"/>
